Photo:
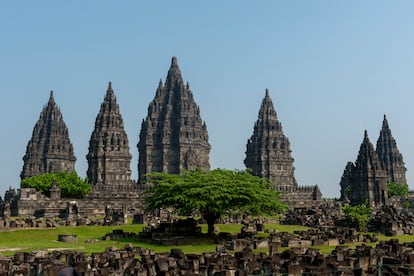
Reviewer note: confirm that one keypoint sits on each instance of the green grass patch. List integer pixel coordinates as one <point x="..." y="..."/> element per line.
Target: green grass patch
<point x="401" y="239"/>
<point x="224" y="228"/>
<point x="286" y="228"/>
<point x="44" y="239"/>
<point x="27" y="240"/>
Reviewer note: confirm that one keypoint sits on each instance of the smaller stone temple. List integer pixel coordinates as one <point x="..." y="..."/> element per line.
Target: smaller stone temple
<point x="389" y="155"/>
<point x="268" y="151"/>
<point x="268" y="155"/>
<point x="49" y="149"/>
<point x="109" y="158"/>
<point x="108" y="170"/>
<point x="368" y="178"/>
<point x="173" y="137"/>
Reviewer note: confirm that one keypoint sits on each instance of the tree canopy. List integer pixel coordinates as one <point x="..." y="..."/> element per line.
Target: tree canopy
<point x="395" y="189"/>
<point x="70" y="184"/>
<point x="358" y="215"/>
<point x="213" y="193"/>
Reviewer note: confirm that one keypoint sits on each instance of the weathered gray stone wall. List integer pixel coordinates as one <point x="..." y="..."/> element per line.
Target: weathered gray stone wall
<point x="28" y="202"/>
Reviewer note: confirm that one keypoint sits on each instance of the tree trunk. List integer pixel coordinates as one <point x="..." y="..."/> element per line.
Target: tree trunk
<point x="210" y="228"/>
<point x="210" y="218"/>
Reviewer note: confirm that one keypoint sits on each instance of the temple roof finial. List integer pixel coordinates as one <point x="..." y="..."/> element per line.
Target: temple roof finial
<point x="110" y="86"/>
<point x="174" y="75"/>
<point x="51" y="97"/>
<point x="385" y="123"/>
<point x="267" y="101"/>
<point x="365" y="134"/>
<point x="174" y="62"/>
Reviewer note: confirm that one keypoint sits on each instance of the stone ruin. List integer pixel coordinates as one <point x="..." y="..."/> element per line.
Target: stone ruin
<point x="388" y="257"/>
<point x="171" y="233"/>
<point x="186" y="231"/>
<point x="299" y="258"/>
<point x="391" y="220"/>
<point x="327" y="213"/>
<point x="27" y="202"/>
<point x="116" y="216"/>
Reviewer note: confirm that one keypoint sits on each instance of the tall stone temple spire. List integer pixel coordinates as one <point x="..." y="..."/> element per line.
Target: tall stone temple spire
<point x="268" y="151"/>
<point x="109" y="158"/>
<point x="366" y="180"/>
<point x="49" y="150"/>
<point x="390" y="156"/>
<point x="173" y="137"/>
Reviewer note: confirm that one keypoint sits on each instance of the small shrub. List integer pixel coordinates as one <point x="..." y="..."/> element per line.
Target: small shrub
<point x="70" y="183"/>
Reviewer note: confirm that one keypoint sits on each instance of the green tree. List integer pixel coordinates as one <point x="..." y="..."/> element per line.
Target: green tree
<point x="70" y="184"/>
<point x="359" y="214"/>
<point x="213" y="193"/>
<point x="395" y="189"/>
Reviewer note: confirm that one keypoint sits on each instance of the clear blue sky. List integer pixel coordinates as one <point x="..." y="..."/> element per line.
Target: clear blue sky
<point x="333" y="69"/>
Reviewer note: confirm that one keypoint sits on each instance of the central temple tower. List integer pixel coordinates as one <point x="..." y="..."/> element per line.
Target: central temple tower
<point x="173" y="137"/>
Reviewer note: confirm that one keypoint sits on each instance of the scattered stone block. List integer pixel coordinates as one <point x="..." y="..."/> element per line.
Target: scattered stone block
<point x="67" y="238"/>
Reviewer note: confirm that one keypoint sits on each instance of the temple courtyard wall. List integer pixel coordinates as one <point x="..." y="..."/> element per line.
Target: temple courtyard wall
<point x="27" y="202"/>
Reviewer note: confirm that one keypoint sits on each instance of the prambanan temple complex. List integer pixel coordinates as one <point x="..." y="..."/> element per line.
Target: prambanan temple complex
<point x="173" y="138"/>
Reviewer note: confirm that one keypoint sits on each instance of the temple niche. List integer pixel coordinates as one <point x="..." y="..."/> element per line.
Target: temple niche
<point x="49" y="150"/>
<point x="173" y="137"/>
<point x="109" y="157"/>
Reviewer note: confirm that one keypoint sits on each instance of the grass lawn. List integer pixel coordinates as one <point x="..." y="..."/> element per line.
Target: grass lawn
<point x="28" y="240"/>
<point x="43" y="239"/>
<point x="46" y="239"/>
